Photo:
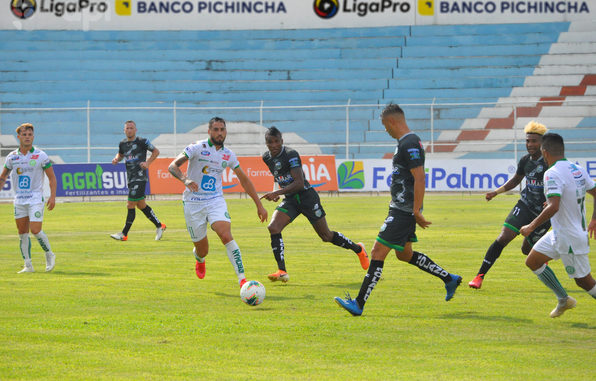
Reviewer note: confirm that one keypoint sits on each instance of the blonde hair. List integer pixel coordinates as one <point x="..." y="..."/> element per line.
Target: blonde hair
<point x="24" y="126"/>
<point x="535" y="128"/>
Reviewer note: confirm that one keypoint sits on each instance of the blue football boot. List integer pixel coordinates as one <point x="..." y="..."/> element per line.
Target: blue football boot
<point x="349" y="305"/>
<point x="452" y="286"/>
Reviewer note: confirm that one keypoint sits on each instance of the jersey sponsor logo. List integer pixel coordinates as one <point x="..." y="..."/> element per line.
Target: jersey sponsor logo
<point x="208" y="183"/>
<point x="205" y="153"/>
<point x="35" y="156"/>
<point x="24" y="182"/>
<point x="225" y="156"/>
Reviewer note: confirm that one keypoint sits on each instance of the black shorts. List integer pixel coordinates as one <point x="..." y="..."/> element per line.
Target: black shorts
<point x="136" y="190"/>
<point x="398" y="229"/>
<point x="521" y="215"/>
<point x="306" y="202"/>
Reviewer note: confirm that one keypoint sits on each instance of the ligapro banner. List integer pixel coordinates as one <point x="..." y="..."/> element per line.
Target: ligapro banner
<point x="441" y="175"/>
<point x="279" y="14"/>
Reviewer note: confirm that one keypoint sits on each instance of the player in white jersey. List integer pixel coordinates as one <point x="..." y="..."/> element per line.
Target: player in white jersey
<point x="565" y="187"/>
<point x="203" y="197"/>
<point x="27" y="165"/>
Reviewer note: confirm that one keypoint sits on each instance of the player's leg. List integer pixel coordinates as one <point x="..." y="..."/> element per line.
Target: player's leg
<point x="35" y="226"/>
<point x="22" y="222"/>
<point x="542" y="252"/>
<point x="130" y="218"/>
<point x="587" y="283"/>
<point x="196" y="224"/>
<point x="338" y="239"/>
<point x="375" y="270"/>
<point x="424" y="263"/>
<point x="151" y="216"/>
<point x="283" y="215"/>
<point x="221" y="224"/>
<point x="518" y="217"/>
<point x="578" y="268"/>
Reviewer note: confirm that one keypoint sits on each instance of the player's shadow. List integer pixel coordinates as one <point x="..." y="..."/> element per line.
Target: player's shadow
<point x="492" y="318"/>
<point x="79" y="273"/>
<point x="582" y="326"/>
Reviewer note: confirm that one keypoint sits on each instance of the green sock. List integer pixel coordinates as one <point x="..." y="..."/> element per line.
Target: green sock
<point x="548" y="277"/>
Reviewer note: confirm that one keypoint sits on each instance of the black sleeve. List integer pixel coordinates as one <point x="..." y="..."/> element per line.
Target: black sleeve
<point x="413" y="153"/>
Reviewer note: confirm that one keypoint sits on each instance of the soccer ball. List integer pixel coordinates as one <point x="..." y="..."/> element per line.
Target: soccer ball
<point x="252" y="293"/>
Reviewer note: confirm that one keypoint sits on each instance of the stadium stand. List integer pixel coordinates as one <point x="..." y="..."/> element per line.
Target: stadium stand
<point x="471" y="74"/>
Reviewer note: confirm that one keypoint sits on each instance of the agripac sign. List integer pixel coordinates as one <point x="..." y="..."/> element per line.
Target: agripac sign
<point x="279" y="14"/>
<point x="455" y="175"/>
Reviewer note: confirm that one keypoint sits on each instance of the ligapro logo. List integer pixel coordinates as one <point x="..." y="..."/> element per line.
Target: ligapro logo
<point x="23" y="9"/>
<point x="326" y="9"/>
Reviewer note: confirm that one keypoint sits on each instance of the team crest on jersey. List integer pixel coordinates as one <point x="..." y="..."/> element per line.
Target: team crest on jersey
<point x="414" y="153"/>
<point x="277" y="166"/>
<point x="224" y="164"/>
<point x="32" y="163"/>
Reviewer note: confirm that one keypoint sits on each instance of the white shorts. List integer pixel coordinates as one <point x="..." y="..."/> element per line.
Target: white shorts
<point x="576" y="265"/>
<point x="33" y="211"/>
<point x="198" y="215"/>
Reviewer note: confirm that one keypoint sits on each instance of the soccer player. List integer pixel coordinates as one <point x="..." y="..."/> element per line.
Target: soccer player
<point x="300" y="198"/>
<point x="405" y="211"/>
<point x="133" y="150"/>
<point x="203" y="197"/>
<point x="566" y="185"/>
<point x="27" y="165"/>
<point x="532" y="166"/>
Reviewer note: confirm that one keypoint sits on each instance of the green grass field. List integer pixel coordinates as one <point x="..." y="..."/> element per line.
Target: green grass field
<point x="136" y="310"/>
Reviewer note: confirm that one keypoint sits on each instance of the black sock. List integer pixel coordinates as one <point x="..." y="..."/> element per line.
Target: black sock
<point x="130" y="217"/>
<point x="424" y="263"/>
<point x="151" y="216"/>
<point x="343" y="241"/>
<point x="370" y="281"/>
<point x="493" y="252"/>
<point x="277" y="245"/>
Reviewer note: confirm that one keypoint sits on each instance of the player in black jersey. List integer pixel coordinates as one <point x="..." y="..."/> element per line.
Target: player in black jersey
<point x="300" y="198"/>
<point x="405" y="211"/>
<point x="532" y="166"/>
<point x="133" y="150"/>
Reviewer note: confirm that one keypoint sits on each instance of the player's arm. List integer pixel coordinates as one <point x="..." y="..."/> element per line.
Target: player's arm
<point x="49" y="171"/>
<point x="174" y="169"/>
<point x="249" y="188"/>
<point x="295" y="186"/>
<point x="4" y="177"/>
<point x="552" y="207"/>
<point x="592" y="225"/>
<point x="510" y="184"/>
<point x="118" y="158"/>
<point x="154" y="155"/>
<point x="419" y="188"/>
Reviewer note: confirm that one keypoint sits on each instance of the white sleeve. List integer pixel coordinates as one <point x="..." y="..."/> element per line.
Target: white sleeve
<point x="190" y="151"/>
<point x="234" y="163"/>
<point x="553" y="186"/>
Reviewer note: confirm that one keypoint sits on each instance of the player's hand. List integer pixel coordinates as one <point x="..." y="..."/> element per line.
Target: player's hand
<point x="262" y="213"/>
<point x="51" y="203"/>
<point x="144" y="165"/>
<point x="525" y="230"/>
<point x="271" y="196"/>
<point x="490" y="195"/>
<point x="421" y="221"/>
<point x="592" y="228"/>
<point x="191" y="185"/>
<point x="115" y="161"/>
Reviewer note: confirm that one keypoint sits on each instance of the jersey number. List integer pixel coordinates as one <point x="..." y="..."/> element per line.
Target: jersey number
<point x="581" y="203"/>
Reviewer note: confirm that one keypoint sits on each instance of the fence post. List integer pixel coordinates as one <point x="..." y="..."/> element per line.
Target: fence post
<point x="432" y="126"/>
<point x="88" y="131"/>
<point x="175" y="132"/>
<point x="348" y="129"/>
<point x="514" y="133"/>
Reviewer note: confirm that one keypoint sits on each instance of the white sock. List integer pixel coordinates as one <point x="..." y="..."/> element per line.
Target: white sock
<point x="42" y="238"/>
<point x="199" y="259"/>
<point x="235" y="258"/>
<point x="25" y="246"/>
<point x="592" y="292"/>
<point x="540" y="270"/>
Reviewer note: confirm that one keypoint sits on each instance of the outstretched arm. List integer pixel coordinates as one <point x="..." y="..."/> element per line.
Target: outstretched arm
<point x="510" y="184"/>
<point x="249" y="188"/>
